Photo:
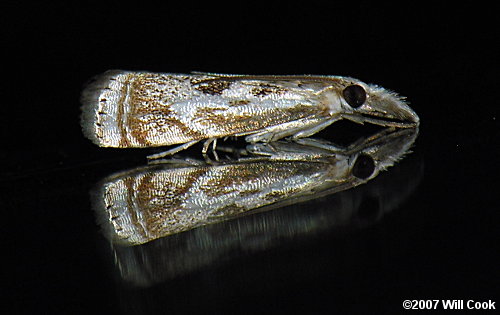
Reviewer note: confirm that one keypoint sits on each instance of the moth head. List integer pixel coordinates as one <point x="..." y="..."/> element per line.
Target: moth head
<point x="361" y="102"/>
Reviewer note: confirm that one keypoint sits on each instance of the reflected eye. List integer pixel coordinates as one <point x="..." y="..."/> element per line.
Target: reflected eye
<point x="354" y="95"/>
<point x="363" y="167"/>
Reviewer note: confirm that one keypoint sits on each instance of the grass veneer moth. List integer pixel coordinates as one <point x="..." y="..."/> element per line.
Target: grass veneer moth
<point x="125" y="109"/>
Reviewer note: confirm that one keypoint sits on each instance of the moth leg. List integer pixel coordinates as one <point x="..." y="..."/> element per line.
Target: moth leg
<point x="287" y="129"/>
<point x="315" y="129"/>
<point x="258" y="137"/>
<point x="261" y="149"/>
<point x="206" y="145"/>
<point x="173" y="150"/>
<point x="214" y="146"/>
<point x="174" y="161"/>
<point x="270" y="135"/>
<point x="320" y="144"/>
<point x="290" y="151"/>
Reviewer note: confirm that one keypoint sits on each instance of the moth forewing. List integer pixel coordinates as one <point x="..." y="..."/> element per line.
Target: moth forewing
<point x="138" y="109"/>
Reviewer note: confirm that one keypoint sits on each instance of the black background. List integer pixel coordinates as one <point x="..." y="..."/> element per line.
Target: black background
<point x="441" y="243"/>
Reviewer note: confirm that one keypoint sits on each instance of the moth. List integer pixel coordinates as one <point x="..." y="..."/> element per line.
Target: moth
<point x="126" y="109"/>
<point x="154" y="201"/>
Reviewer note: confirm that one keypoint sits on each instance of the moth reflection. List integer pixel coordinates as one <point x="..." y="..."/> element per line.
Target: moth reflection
<point x="155" y="201"/>
<point x="298" y="223"/>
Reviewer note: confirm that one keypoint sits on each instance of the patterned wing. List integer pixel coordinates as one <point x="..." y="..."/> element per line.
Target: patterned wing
<point x="138" y="109"/>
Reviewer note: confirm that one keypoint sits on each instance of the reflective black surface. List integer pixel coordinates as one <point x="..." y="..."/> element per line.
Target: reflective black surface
<point x="425" y="229"/>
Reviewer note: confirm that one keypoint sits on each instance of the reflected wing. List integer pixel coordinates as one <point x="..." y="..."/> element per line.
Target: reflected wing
<point x="145" y="205"/>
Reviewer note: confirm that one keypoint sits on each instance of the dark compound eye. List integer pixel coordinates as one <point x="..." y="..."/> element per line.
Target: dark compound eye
<point x="354" y="95"/>
<point x="363" y="167"/>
